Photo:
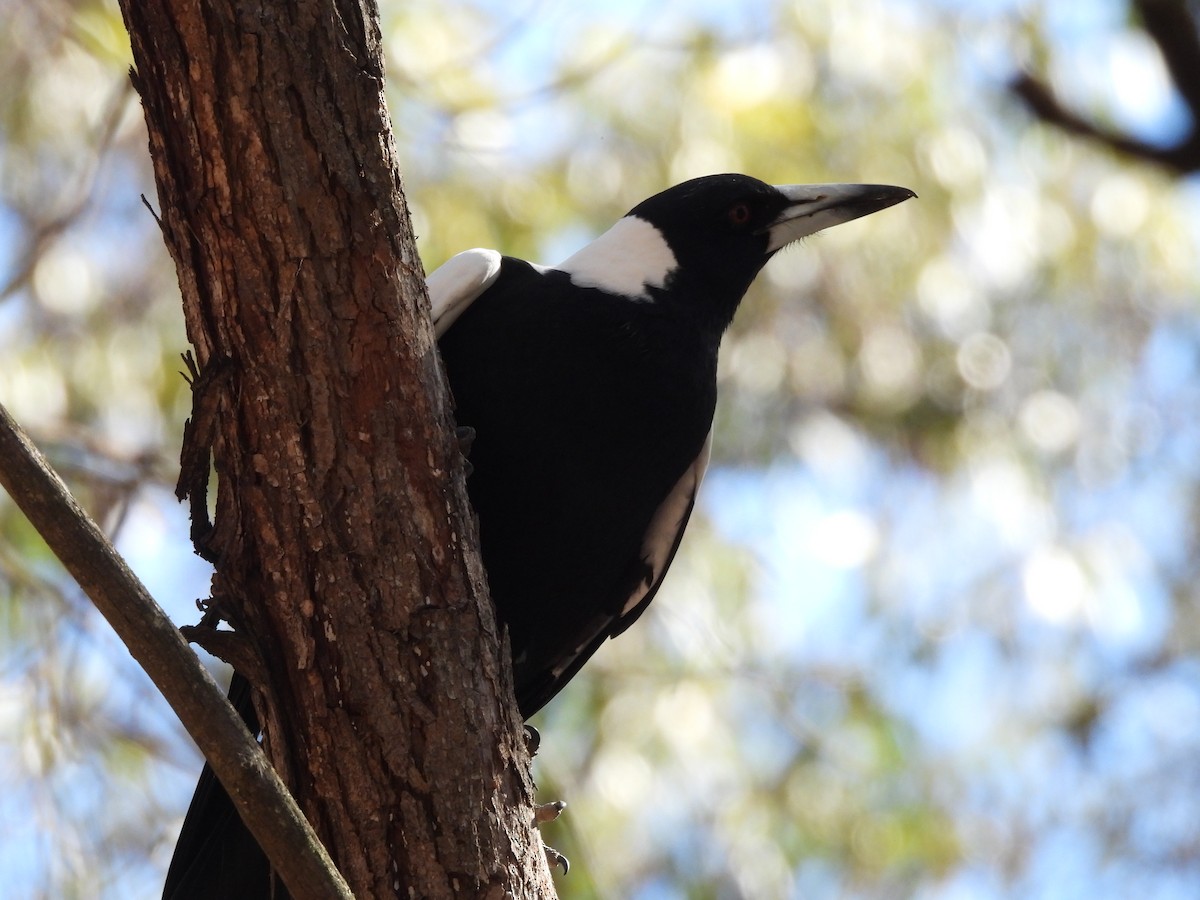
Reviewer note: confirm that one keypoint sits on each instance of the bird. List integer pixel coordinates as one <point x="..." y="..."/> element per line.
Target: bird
<point x="590" y="388"/>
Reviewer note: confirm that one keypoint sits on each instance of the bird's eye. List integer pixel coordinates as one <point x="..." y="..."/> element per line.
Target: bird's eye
<point x="739" y="214"/>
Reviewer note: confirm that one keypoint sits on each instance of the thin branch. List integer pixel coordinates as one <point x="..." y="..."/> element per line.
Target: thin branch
<point x="259" y="795"/>
<point x="43" y="233"/>
<point x="1176" y="32"/>
<point x="1171" y="26"/>
<point x="1182" y="157"/>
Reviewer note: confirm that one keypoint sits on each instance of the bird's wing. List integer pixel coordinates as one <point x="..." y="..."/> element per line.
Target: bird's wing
<point x="663" y="537"/>
<point x="457" y="282"/>
<point x="658" y="549"/>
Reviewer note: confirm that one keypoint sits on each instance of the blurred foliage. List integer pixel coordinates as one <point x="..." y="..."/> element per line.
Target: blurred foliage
<point x="936" y="634"/>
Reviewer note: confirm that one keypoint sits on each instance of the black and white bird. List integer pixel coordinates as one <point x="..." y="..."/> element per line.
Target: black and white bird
<point x="590" y="387"/>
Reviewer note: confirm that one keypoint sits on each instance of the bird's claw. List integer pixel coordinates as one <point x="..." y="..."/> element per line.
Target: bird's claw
<point x="547" y="812"/>
<point x="465" y="435"/>
<point x="556" y="859"/>
<point x="533" y="740"/>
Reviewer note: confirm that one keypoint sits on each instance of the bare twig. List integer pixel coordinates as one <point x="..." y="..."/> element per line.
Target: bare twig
<point x="1182" y="157"/>
<point x="44" y="232"/>
<point x="1171" y="25"/>
<point x="259" y="795"/>
<point x="1173" y="28"/>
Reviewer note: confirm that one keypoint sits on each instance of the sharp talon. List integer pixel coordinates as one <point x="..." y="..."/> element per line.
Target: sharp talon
<point x="556" y="859"/>
<point x="465" y="435"/>
<point x="548" y="812"/>
<point x="533" y="740"/>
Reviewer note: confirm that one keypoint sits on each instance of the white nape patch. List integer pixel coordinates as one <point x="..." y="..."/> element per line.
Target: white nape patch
<point x="456" y="283"/>
<point x="628" y="259"/>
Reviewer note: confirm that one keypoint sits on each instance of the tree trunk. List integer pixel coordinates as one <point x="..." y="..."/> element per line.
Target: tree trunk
<point x="344" y="547"/>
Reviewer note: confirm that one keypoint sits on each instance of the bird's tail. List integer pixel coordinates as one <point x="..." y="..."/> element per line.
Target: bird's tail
<point x="216" y="857"/>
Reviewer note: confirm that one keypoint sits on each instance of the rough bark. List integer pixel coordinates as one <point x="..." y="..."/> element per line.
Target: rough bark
<point x="342" y="539"/>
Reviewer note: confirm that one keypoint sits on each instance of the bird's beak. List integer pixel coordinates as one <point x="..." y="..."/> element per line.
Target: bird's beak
<point x="814" y="207"/>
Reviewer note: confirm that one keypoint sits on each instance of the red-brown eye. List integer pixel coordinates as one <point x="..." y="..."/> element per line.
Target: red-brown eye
<point x="739" y="214"/>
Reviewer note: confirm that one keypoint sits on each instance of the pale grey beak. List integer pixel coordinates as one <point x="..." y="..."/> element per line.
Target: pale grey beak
<point x="814" y="207"/>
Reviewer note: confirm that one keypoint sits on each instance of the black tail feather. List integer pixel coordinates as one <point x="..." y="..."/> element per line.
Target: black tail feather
<point x="216" y="857"/>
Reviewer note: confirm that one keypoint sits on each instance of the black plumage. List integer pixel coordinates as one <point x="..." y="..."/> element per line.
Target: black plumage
<point x="580" y="441"/>
<point x="591" y="388"/>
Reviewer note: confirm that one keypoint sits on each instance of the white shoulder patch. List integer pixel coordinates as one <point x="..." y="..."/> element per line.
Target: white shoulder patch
<point x="455" y="284"/>
<point x="627" y="259"/>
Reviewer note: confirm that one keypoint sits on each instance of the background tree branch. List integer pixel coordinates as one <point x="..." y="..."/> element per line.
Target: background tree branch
<point x="1174" y="29"/>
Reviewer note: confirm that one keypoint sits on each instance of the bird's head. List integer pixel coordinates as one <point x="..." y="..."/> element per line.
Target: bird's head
<point x="706" y="239"/>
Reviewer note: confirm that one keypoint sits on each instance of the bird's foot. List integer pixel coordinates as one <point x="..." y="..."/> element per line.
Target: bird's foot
<point x="556" y="859"/>
<point x="465" y="435"/>
<point x="548" y="812"/>
<point x="533" y="740"/>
